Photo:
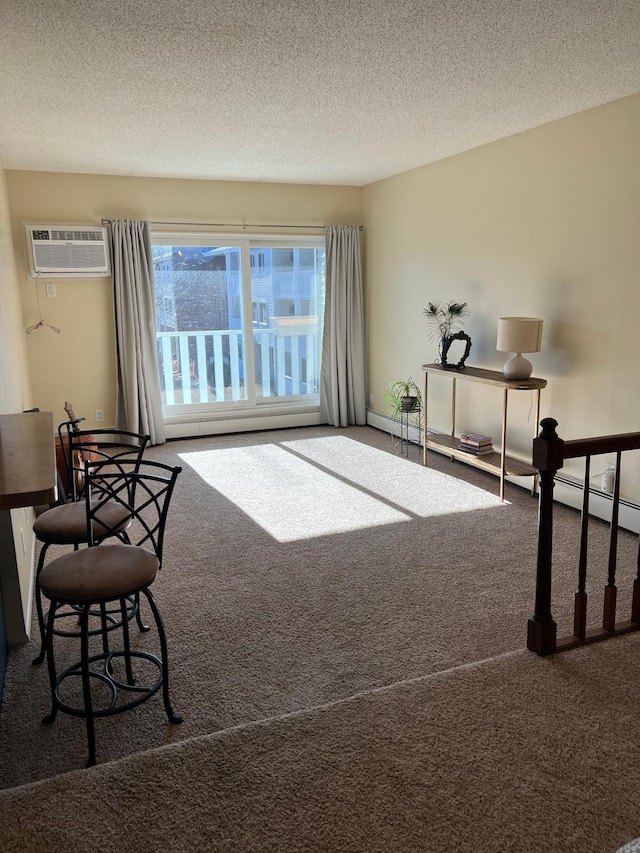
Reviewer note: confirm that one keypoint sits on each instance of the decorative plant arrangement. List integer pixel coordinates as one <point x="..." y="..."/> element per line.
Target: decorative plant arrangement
<point x="402" y="396"/>
<point x="444" y="320"/>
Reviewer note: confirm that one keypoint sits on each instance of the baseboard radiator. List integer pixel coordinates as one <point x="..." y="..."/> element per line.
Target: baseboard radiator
<point x="568" y="489"/>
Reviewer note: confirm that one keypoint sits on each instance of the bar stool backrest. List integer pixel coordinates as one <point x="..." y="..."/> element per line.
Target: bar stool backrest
<point x="96" y="445"/>
<point x="142" y="488"/>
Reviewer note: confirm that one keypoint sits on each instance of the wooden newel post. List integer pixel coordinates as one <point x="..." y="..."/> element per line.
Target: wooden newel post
<point x="548" y="458"/>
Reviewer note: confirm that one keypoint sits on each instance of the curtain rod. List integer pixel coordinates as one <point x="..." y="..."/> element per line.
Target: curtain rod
<point x="229" y="224"/>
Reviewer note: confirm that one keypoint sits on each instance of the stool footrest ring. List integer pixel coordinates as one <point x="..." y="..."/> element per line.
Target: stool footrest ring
<point x="115" y="685"/>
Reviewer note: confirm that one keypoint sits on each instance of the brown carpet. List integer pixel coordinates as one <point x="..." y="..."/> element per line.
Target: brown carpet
<point x="303" y="567"/>
<point x="516" y="754"/>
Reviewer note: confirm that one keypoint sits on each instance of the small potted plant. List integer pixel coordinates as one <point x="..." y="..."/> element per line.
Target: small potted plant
<point x="402" y="396"/>
<point x="445" y="318"/>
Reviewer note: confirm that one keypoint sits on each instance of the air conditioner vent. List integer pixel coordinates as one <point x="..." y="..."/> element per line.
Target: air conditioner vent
<point x="76" y="235"/>
<point x="59" y="251"/>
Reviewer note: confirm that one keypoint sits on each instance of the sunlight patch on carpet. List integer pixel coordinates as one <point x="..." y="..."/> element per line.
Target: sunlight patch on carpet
<point x="287" y="496"/>
<point x="322" y="486"/>
<point x="420" y="491"/>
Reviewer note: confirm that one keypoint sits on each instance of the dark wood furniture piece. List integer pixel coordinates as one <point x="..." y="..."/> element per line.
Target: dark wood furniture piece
<point x="27" y="478"/>
<point x="549" y="453"/>
<point x="497" y="463"/>
<point x="27" y="460"/>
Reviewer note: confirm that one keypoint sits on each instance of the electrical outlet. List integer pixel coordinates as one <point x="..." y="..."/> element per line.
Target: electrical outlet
<point x="371" y="398"/>
<point x="99" y="415"/>
<point x="51" y="289"/>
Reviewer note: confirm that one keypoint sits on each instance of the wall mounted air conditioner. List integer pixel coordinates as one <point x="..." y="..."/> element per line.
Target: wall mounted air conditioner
<point x="65" y="251"/>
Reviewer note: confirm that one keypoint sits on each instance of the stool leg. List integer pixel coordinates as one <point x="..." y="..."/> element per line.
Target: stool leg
<point x="41" y="621"/>
<point x="103" y="623"/>
<point x="48" y="720"/>
<point x="171" y="715"/>
<point x="142" y="626"/>
<point x="125" y="640"/>
<point x="86" y="684"/>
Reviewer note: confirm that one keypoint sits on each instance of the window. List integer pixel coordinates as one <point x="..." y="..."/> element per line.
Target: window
<point x="239" y="322"/>
<point x="257" y="262"/>
<point x="259" y="313"/>
<point x="284" y="307"/>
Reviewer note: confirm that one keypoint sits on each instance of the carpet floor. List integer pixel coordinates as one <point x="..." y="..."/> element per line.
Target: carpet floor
<point x="515" y="754"/>
<point x="304" y="567"/>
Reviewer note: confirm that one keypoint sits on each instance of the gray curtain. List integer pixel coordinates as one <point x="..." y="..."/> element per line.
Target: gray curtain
<point x="342" y="384"/>
<point x="138" y="404"/>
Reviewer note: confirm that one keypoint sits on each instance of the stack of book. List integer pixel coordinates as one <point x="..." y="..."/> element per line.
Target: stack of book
<point x="476" y="444"/>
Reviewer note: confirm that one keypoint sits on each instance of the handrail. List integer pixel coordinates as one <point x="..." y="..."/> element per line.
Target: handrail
<point x="603" y="444"/>
<point x="549" y="453"/>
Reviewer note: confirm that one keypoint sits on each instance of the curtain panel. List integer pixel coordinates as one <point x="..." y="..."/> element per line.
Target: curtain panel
<point x="138" y="402"/>
<point x="342" y="375"/>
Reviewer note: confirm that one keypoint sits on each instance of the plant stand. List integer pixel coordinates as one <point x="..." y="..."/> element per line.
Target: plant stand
<point x="407" y="420"/>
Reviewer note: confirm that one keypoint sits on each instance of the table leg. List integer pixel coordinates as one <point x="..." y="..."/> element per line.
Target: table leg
<point x="534" y="485"/>
<point x="424" y="423"/>
<point x="453" y="409"/>
<point x="503" y="443"/>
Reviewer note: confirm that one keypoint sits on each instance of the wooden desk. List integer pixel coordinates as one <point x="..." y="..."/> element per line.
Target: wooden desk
<point x="27" y="479"/>
<point x="27" y="460"/>
<point x="496" y="463"/>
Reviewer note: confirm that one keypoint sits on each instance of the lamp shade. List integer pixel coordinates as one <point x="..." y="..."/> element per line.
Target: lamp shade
<point x="519" y="334"/>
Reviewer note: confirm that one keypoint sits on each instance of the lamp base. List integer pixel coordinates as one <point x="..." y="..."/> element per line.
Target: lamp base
<point x="518" y="367"/>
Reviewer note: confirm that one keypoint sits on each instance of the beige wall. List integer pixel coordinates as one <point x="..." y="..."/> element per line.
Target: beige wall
<point x="15" y="394"/>
<point x="79" y="364"/>
<point x="546" y="224"/>
<point x="16" y="537"/>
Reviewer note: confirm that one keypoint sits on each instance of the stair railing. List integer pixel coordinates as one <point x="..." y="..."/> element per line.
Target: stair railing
<point x="549" y="453"/>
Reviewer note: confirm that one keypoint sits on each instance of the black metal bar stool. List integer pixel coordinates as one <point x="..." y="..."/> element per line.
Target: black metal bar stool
<point x="66" y="524"/>
<point x="109" y="575"/>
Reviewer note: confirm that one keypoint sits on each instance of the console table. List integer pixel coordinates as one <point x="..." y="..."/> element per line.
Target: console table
<point x="497" y="463"/>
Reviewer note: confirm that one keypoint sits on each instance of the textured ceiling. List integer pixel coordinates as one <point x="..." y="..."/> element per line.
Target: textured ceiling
<point x="327" y="92"/>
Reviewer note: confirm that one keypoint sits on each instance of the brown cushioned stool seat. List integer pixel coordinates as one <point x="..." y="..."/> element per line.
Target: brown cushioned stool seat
<point x="98" y="574"/>
<point x="67" y="524"/>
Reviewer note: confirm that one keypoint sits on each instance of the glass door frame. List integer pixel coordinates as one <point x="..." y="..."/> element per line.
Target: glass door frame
<point x="245" y="243"/>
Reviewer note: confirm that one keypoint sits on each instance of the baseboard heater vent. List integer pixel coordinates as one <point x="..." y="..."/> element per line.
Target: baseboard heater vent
<point x="568" y="490"/>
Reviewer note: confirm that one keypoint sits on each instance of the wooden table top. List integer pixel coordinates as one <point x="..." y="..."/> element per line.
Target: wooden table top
<point x="27" y="460"/>
<point x="487" y="377"/>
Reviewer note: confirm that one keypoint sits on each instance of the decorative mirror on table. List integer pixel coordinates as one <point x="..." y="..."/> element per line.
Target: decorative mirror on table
<point x="455" y="351"/>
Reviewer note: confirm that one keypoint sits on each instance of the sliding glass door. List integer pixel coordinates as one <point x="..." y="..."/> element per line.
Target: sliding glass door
<point x="239" y="321"/>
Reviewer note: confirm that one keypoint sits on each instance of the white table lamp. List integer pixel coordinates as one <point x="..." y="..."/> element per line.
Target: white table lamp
<point x="518" y="335"/>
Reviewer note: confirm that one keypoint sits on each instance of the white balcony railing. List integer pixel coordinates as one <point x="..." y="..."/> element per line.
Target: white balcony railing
<point x="209" y="366"/>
